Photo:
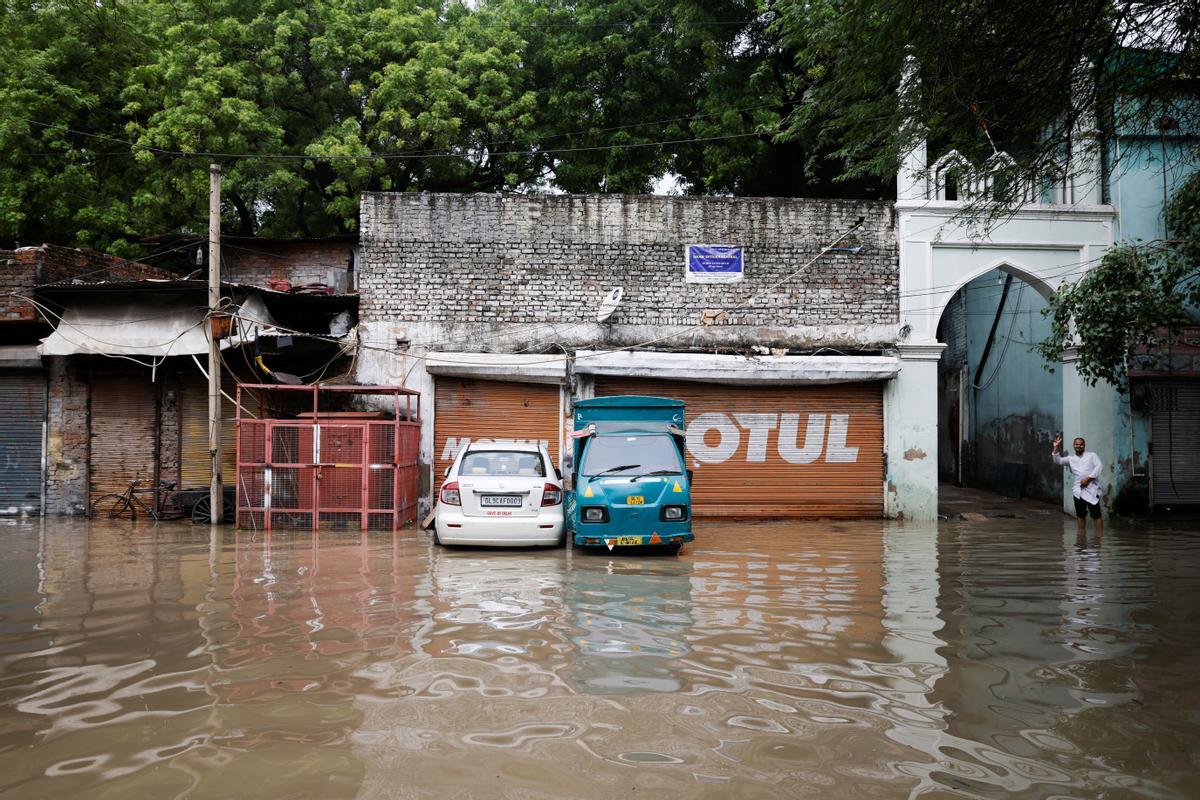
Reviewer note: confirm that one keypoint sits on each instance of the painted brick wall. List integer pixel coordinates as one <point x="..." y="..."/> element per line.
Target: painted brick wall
<point x="67" y="439"/>
<point x="463" y="259"/>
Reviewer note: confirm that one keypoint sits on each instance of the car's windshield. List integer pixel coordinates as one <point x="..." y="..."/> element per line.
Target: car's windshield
<point x="496" y="463"/>
<point x="640" y="454"/>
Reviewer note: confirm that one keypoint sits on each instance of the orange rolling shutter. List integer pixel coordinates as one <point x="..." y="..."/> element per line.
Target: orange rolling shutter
<point x="123" y="427"/>
<point x="195" y="464"/>
<point x="467" y="410"/>
<point x="778" y="451"/>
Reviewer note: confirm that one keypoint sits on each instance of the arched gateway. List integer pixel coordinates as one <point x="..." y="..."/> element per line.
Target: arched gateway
<point x="1042" y="244"/>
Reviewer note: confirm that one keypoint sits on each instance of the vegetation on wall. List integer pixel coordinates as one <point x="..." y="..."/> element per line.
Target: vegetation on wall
<point x="1136" y="292"/>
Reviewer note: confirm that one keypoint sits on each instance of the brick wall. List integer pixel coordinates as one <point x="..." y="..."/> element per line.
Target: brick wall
<point x="464" y="259"/>
<point x="18" y="274"/>
<point x="301" y="263"/>
<point x="67" y="439"/>
<point x="21" y="270"/>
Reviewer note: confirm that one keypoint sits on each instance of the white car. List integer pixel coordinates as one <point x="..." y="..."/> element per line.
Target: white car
<point x="500" y="494"/>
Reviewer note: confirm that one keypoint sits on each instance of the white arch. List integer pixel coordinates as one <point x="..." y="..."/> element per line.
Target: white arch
<point x="1042" y="285"/>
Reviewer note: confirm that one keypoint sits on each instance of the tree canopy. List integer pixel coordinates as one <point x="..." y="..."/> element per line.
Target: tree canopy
<point x="110" y="112"/>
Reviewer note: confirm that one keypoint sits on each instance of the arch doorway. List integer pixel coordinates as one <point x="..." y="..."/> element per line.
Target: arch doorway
<point x="999" y="403"/>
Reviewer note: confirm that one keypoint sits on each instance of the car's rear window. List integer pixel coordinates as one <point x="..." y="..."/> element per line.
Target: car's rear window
<point x="503" y="462"/>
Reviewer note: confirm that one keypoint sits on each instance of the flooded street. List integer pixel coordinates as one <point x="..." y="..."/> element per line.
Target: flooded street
<point x="788" y="660"/>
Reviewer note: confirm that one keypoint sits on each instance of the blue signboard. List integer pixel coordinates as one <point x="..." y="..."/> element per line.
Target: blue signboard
<point x="713" y="263"/>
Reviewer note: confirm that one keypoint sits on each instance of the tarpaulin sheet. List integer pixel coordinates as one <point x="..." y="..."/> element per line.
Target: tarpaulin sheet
<point x="148" y="325"/>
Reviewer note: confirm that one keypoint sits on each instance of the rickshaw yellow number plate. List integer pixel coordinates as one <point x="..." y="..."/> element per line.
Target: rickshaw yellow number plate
<point x="623" y="540"/>
<point x="636" y="500"/>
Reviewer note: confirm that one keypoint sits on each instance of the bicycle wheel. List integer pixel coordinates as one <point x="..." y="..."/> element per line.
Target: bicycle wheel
<point x="112" y="506"/>
<point x="201" y="512"/>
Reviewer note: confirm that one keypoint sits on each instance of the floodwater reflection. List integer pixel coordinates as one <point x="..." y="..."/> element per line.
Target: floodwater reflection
<point x="865" y="659"/>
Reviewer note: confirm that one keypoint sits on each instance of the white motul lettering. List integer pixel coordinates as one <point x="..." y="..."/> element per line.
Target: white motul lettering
<point x="722" y="450"/>
<point x="837" y="452"/>
<point x="814" y="438"/>
<point x="759" y="426"/>
<point x="452" y="446"/>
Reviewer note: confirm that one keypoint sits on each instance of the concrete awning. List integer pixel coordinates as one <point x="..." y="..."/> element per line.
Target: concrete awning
<point x="166" y="325"/>
<point x="521" y="367"/>
<point x="740" y="370"/>
<point x="19" y="355"/>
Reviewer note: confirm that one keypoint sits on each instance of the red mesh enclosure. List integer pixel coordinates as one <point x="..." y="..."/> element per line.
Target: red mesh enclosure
<point x="333" y="466"/>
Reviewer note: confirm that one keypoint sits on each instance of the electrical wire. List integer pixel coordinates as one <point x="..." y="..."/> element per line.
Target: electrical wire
<point x="412" y="156"/>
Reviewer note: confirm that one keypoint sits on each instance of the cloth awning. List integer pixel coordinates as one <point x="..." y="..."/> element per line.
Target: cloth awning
<point x="154" y="325"/>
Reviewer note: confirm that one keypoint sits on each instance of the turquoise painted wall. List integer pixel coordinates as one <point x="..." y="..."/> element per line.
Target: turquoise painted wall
<point x="1017" y="406"/>
<point x="1144" y="172"/>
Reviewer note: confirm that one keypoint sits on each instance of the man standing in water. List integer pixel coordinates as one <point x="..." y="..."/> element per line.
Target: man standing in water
<point x="1086" y="468"/>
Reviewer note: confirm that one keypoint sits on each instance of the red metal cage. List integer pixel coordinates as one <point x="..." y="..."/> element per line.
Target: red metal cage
<point x="323" y="462"/>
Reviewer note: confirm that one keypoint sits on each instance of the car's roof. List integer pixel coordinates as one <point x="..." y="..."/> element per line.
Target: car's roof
<point x="505" y="444"/>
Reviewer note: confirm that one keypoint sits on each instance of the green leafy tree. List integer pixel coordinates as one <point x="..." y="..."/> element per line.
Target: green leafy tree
<point x="1131" y="297"/>
<point x="1031" y="78"/>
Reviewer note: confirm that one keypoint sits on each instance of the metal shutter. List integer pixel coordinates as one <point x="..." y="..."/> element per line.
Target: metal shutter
<point x="194" y="471"/>
<point x="123" y="440"/>
<point x="1175" y="438"/>
<point x="469" y="410"/>
<point x="832" y="437"/>
<point x="22" y="415"/>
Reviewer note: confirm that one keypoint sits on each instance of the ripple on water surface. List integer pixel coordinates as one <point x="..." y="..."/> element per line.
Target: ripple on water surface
<point x="855" y="659"/>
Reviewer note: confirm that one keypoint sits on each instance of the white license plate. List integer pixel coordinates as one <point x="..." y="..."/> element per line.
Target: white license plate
<point x="507" y="500"/>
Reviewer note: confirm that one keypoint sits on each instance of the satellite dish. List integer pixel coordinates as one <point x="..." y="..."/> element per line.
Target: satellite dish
<point x="609" y="304"/>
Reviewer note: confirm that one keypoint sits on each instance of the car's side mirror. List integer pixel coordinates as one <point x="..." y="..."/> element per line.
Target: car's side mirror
<point x="690" y="475"/>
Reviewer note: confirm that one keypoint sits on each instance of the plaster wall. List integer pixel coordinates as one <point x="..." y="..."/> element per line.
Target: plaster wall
<point x="1041" y="245"/>
<point x="1016" y="407"/>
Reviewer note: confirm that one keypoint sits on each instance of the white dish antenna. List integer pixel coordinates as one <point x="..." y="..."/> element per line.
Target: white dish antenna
<point x="609" y="304"/>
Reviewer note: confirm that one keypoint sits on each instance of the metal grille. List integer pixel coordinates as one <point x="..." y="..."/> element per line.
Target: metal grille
<point x="1175" y="438"/>
<point x="777" y="451"/>
<point x="22" y="415"/>
<point x="330" y="470"/>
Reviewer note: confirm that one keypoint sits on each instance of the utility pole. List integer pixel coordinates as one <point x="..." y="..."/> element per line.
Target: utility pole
<point x="216" y="494"/>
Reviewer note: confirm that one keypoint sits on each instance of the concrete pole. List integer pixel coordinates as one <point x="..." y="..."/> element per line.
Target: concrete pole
<point x="216" y="493"/>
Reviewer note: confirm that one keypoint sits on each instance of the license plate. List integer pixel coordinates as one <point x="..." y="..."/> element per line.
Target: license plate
<point x="636" y="500"/>
<point x="508" y="500"/>
<point x="623" y="540"/>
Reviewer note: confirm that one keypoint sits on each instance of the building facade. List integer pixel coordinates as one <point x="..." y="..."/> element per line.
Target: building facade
<point x="502" y="310"/>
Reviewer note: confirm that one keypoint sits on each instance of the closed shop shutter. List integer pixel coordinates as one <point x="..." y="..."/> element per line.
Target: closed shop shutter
<point x="123" y="441"/>
<point x="194" y="461"/>
<point x="778" y="451"/>
<point x="22" y="414"/>
<point x="1175" y="439"/>
<point x="468" y="410"/>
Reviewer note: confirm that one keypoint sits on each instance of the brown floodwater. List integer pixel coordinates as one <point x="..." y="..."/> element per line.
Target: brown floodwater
<point x="789" y="660"/>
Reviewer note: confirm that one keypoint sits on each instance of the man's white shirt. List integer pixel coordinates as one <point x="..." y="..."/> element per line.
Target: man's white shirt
<point x="1086" y="465"/>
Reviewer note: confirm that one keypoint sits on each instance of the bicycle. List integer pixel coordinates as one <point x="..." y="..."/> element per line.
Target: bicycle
<point x="164" y="503"/>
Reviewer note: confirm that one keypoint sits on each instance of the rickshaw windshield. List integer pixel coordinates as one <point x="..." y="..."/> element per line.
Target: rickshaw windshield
<point x="638" y="454"/>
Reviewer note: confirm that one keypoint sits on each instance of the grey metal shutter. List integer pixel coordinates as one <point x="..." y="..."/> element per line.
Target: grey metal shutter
<point x="1175" y="439"/>
<point x="22" y="415"/>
